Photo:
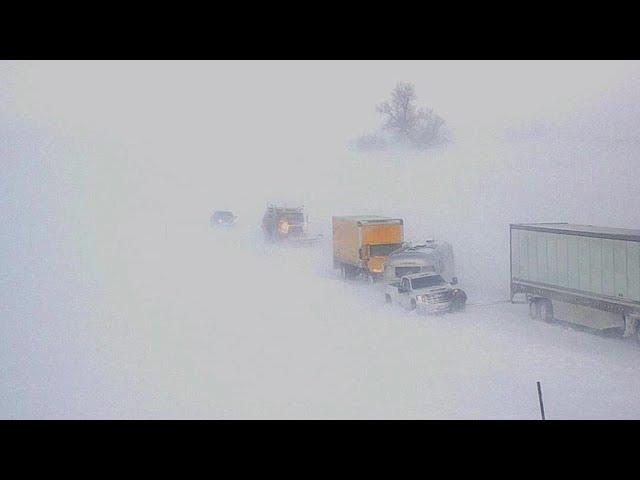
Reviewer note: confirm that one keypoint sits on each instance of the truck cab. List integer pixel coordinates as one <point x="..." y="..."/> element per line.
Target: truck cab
<point x="426" y="292"/>
<point x="428" y="256"/>
<point x="281" y="224"/>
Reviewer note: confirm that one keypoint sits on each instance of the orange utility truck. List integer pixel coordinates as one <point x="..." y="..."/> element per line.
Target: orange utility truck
<point x="362" y="243"/>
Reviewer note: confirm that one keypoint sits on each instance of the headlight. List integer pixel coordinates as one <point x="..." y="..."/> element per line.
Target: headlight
<point x="283" y="227"/>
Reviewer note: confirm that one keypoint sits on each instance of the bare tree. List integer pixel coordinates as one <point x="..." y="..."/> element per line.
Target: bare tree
<point x="429" y="130"/>
<point x="407" y="122"/>
<point x="400" y="113"/>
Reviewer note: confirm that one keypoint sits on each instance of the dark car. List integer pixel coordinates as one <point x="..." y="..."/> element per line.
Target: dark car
<point x="222" y="218"/>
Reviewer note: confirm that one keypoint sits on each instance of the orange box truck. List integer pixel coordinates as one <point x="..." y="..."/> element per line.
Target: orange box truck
<point x="362" y="243"/>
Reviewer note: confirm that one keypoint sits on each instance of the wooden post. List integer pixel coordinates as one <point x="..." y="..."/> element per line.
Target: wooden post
<point x="540" y="400"/>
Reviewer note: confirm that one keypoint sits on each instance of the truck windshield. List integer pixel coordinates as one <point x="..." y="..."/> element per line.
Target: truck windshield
<point x="426" y="282"/>
<point x="221" y="216"/>
<point x="383" y="250"/>
<point x="402" y="271"/>
<point x="294" y="218"/>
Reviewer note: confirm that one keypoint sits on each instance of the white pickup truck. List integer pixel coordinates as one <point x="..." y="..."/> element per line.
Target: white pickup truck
<point x="427" y="292"/>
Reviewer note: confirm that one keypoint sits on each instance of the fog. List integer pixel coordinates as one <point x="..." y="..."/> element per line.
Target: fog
<point x="118" y="300"/>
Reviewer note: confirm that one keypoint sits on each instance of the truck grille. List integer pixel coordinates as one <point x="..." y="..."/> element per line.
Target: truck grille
<point x="436" y="298"/>
<point x="437" y="302"/>
<point x="295" y="230"/>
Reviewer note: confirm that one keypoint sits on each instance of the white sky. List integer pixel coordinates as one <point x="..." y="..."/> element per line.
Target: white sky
<point x="162" y="132"/>
<point x="268" y="100"/>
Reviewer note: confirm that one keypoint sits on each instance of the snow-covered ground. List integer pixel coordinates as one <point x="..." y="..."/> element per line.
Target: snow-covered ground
<point x="270" y="332"/>
<point x="133" y="307"/>
<point x="202" y="323"/>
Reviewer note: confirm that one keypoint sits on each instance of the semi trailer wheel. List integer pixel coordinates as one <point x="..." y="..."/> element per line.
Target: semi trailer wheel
<point x="546" y="310"/>
<point x="534" y="309"/>
<point x="632" y="327"/>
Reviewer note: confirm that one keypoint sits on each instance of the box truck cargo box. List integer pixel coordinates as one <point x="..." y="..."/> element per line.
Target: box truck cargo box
<point x="361" y="244"/>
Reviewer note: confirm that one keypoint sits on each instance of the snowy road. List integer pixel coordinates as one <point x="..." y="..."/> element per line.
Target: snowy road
<point x="210" y="324"/>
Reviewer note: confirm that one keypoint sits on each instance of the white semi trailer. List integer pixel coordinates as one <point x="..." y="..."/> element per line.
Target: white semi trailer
<point x="578" y="273"/>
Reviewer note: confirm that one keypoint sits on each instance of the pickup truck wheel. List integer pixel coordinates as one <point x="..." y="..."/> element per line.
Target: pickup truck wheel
<point x="546" y="310"/>
<point x="534" y="309"/>
<point x="413" y="304"/>
<point x="387" y="299"/>
<point x="458" y="306"/>
<point x="459" y="301"/>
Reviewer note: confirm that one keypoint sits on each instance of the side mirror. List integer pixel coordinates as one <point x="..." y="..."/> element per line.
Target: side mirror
<point x="454" y="281"/>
